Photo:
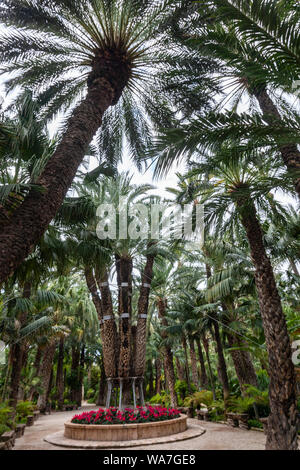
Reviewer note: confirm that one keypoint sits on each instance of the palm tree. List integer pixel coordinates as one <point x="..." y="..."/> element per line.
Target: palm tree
<point x="240" y="186"/>
<point x="98" y="47"/>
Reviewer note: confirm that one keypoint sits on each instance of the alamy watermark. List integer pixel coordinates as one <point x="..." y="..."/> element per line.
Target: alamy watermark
<point x="152" y="222"/>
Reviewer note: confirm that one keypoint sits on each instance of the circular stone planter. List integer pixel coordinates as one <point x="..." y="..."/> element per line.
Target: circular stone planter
<point x="124" y="432"/>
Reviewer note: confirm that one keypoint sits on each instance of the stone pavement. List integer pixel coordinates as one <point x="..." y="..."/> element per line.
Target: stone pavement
<point x="216" y="437"/>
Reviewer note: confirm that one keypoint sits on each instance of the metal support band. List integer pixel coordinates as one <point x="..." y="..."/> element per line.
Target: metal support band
<point x="107" y="317"/>
<point x="147" y="285"/>
<point x="124" y="284"/>
<point x="124" y="315"/>
<point x="103" y="284"/>
<point x="143" y="315"/>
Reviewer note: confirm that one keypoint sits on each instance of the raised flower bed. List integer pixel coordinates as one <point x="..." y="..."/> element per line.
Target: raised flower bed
<point x="115" y="425"/>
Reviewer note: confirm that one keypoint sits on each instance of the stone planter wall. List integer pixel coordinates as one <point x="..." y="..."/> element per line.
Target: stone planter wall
<point x="124" y="432"/>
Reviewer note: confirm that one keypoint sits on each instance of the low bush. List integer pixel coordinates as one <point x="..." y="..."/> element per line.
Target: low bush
<point x="24" y="409"/>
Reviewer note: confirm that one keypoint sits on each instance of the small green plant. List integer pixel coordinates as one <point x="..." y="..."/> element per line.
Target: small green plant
<point x="240" y="404"/>
<point x="254" y="423"/>
<point x="3" y="429"/>
<point x="5" y="415"/>
<point x="24" y="409"/>
<point x="199" y="399"/>
<point x="163" y="399"/>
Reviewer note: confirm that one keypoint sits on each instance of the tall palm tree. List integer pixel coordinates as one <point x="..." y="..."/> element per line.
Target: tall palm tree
<point x="236" y="189"/>
<point x="62" y="49"/>
<point x="240" y="186"/>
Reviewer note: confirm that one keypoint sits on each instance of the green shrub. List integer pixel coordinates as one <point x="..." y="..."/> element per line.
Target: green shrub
<point x="5" y="414"/>
<point x="198" y="399"/>
<point x="90" y="394"/>
<point x="254" y="423"/>
<point x="3" y="429"/>
<point x="163" y="399"/>
<point x="182" y="390"/>
<point x="24" y="409"/>
<point x="240" y="404"/>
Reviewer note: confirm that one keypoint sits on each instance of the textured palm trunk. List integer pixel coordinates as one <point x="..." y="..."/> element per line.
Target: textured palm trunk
<point x="109" y="333"/>
<point x="186" y="365"/>
<point x="289" y="152"/>
<point x="60" y="374"/>
<point x="151" y="388"/>
<point x="36" y="367"/>
<point x="125" y="316"/>
<point x="168" y="356"/>
<point x="222" y="368"/>
<point x="102" y="384"/>
<point x="158" y="376"/>
<point x="78" y="397"/>
<point x="195" y="377"/>
<point x="45" y="373"/>
<point x="211" y="375"/>
<point x="106" y="317"/>
<point x="203" y="375"/>
<point x="242" y="362"/>
<point x="141" y="332"/>
<point x="17" y="354"/>
<point x="180" y="369"/>
<point x="109" y="76"/>
<point x="74" y="383"/>
<point x="282" y="423"/>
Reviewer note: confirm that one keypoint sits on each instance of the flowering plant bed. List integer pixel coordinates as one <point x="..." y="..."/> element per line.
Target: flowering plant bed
<point x="113" y="415"/>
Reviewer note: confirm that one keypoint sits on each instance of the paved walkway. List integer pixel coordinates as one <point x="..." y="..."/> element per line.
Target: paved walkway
<point x="216" y="437"/>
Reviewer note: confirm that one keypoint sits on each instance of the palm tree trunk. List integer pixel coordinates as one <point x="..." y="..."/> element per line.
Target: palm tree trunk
<point x="203" y="375"/>
<point x="109" y="334"/>
<point x="242" y="362"/>
<point x="75" y="373"/>
<point x="151" y="389"/>
<point x="78" y="396"/>
<point x="157" y="376"/>
<point x="180" y="369"/>
<point x="17" y="355"/>
<point x="105" y="85"/>
<point x="289" y="152"/>
<point x="141" y="332"/>
<point x="193" y="362"/>
<point x="36" y="366"/>
<point x="168" y="356"/>
<point x="282" y="423"/>
<point x="102" y="384"/>
<point x="222" y="368"/>
<point x="125" y="309"/>
<point x="60" y="375"/>
<point x="45" y="375"/>
<point x="211" y="376"/>
<point x="187" y="372"/>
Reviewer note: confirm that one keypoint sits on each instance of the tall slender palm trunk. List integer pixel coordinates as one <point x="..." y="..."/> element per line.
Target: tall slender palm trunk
<point x="193" y="362"/>
<point x="222" y="368"/>
<point x="158" y="376"/>
<point x="289" y="152"/>
<point x="180" y="369"/>
<point x="211" y="375"/>
<point x="17" y="355"/>
<point x="203" y="375"/>
<point x="24" y="229"/>
<point x="45" y="373"/>
<point x="282" y="424"/>
<point x="242" y="362"/>
<point x="186" y="364"/>
<point x="60" y="374"/>
<point x="141" y="332"/>
<point x="168" y="356"/>
<point x="102" y="384"/>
